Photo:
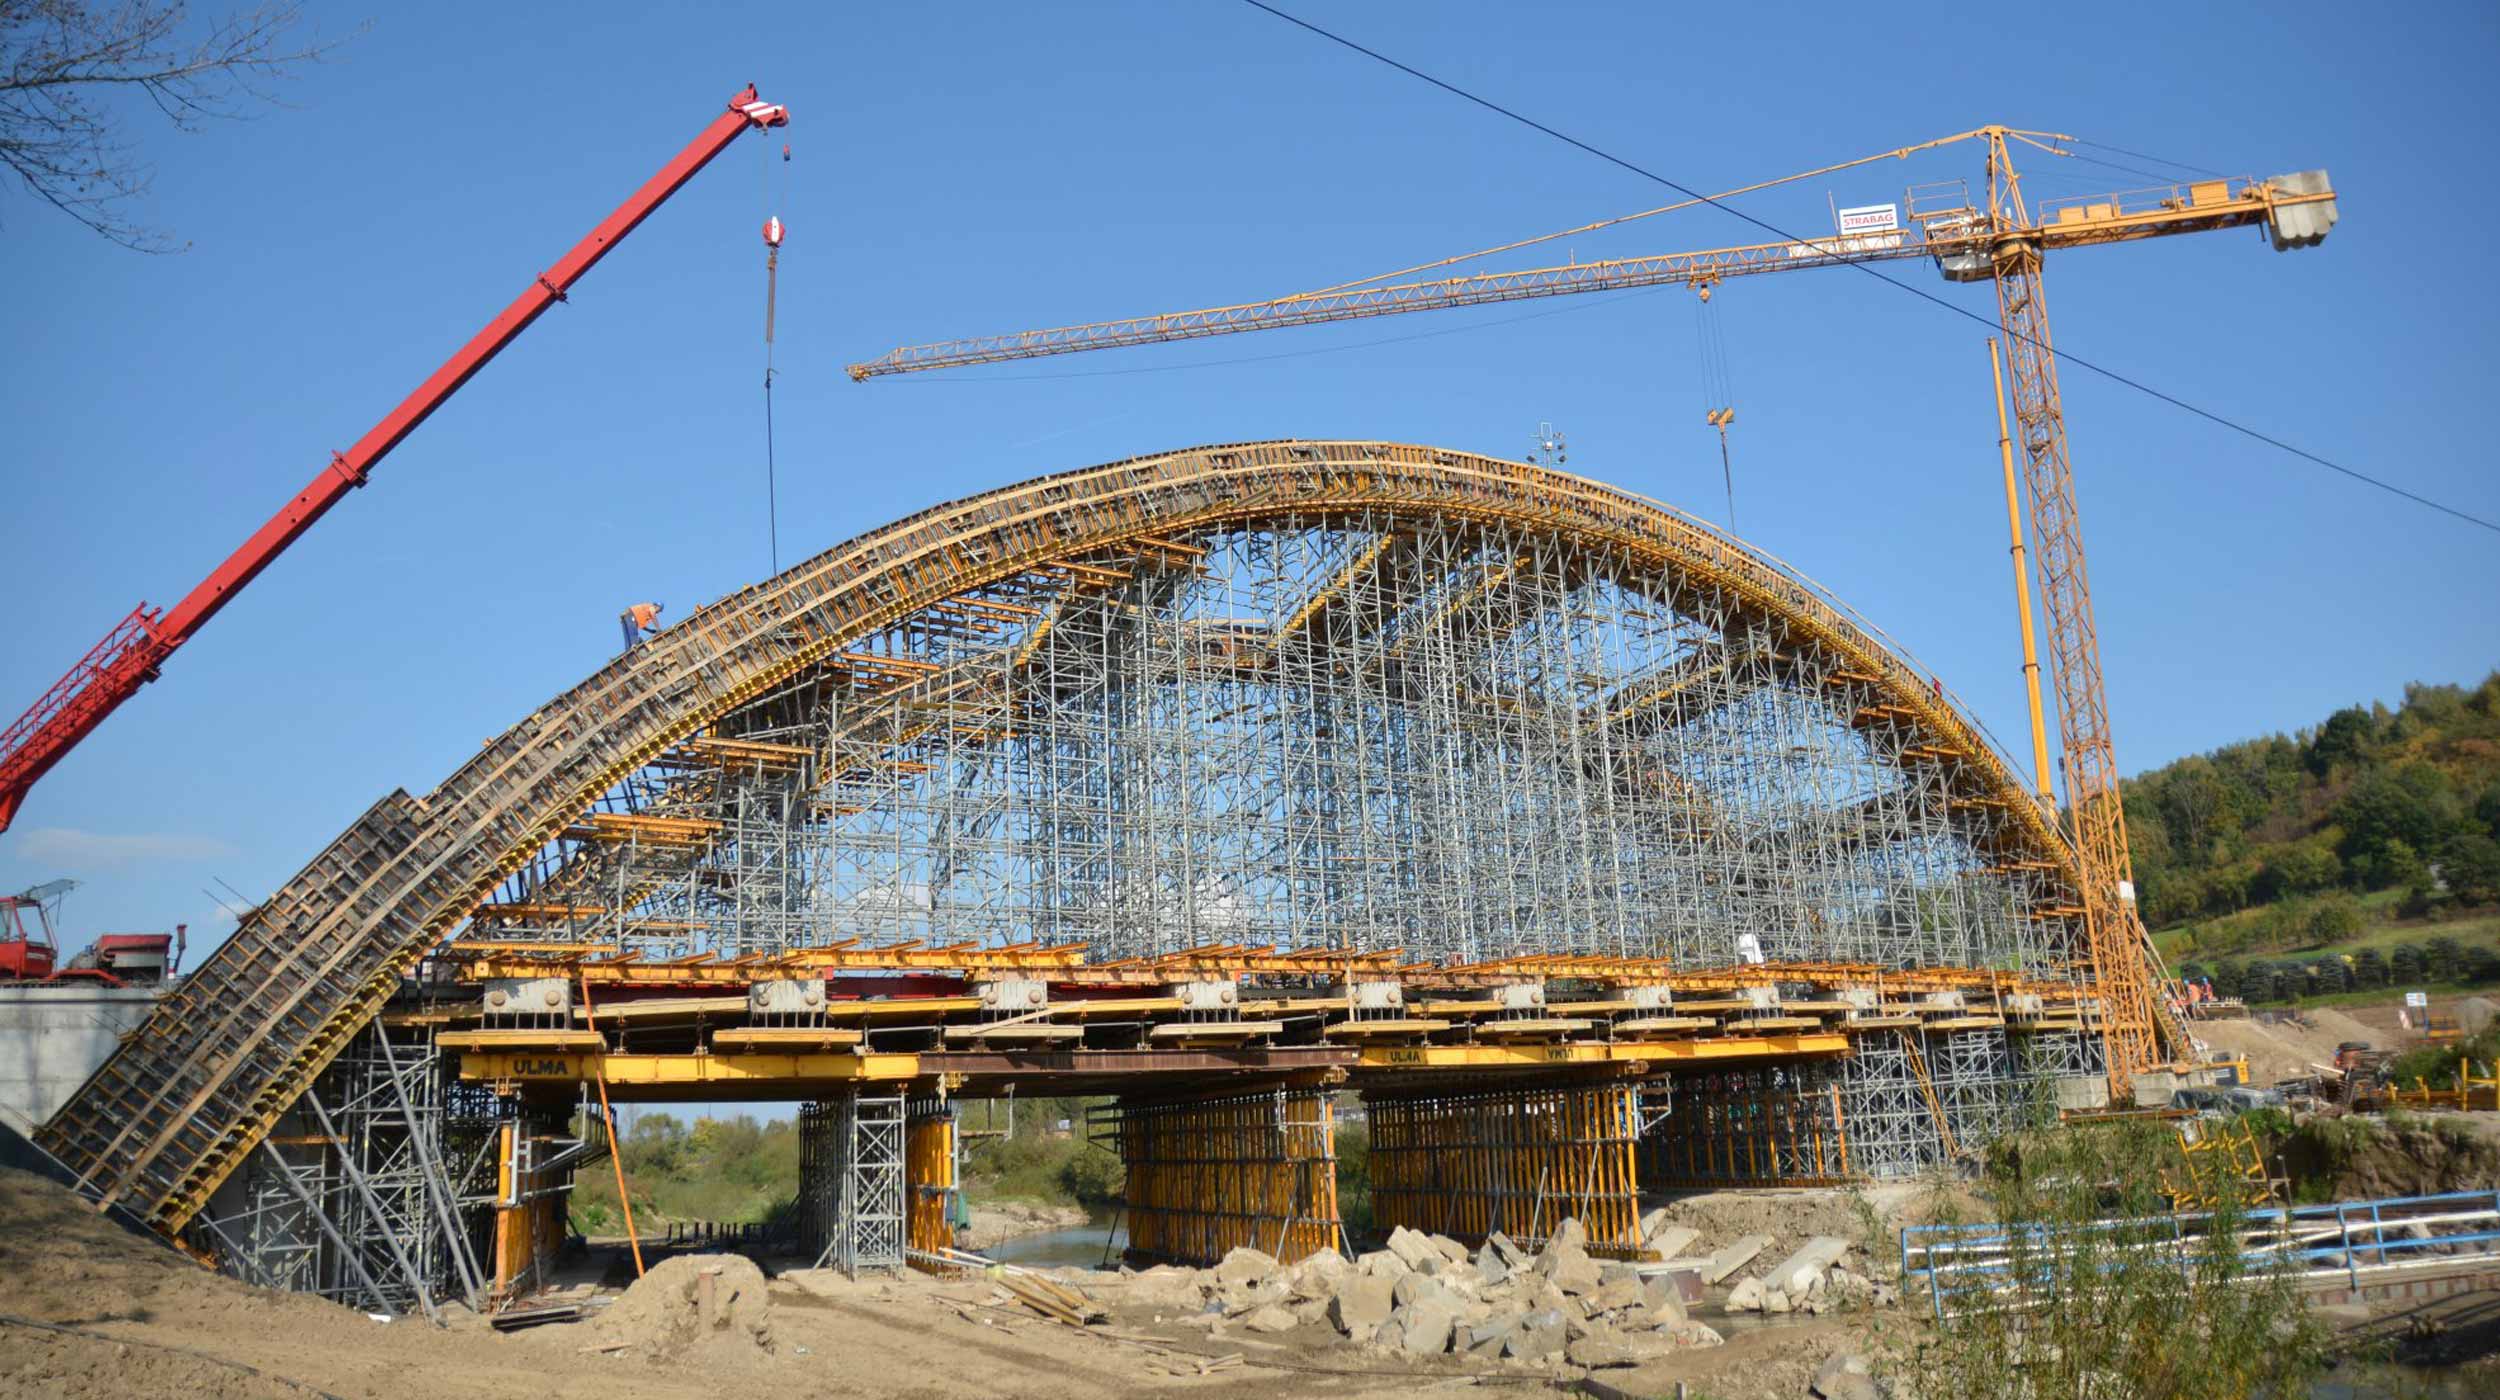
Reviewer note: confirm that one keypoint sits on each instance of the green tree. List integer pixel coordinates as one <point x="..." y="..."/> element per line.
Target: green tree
<point x="2230" y="979"/>
<point x="2482" y="964"/>
<point x="2412" y="803"/>
<point x="2396" y="864"/>
<point x="2404" y="965"/>
<point x="2344" y="738"/>
<point x="2275" y="980"/>
<point x="2443" y="959"/>
<point x="2369" y="968"/>
<point x="2301" y="868"/>
<point x="2472" y="869"/>
<point x="2334" y="919"/>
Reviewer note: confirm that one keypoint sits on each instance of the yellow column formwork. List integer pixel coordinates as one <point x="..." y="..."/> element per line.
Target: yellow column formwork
<point x="1516" y="1161"/>
<point x="929" y="1183"/>
<point x="1726" y="1131"/>
<point x="1208" y="1176"/>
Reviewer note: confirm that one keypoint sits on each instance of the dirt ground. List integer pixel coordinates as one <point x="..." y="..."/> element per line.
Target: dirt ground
<point x="94" y="1311"/>
<point x="2290" y="1051"/>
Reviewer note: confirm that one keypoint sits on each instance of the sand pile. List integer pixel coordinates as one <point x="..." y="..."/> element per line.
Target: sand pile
<point x="2286" y="1050"/>
<point x="695" y="1307"/>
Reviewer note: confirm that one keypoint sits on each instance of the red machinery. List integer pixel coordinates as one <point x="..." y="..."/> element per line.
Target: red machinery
<point x="29" y="952"/>
<point x="131" y="654"/>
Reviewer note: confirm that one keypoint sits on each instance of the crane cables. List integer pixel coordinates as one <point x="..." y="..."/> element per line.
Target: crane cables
<point x="1718" y="388"/>
<point x="2063" y="356"/>
<point x="772" y="288"/>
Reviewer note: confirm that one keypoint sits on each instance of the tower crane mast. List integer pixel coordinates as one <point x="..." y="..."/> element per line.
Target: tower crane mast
<point x="2000" y="238"/>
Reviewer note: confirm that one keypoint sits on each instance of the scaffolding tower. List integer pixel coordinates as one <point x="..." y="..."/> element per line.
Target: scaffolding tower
<point x="852" y="1207"/>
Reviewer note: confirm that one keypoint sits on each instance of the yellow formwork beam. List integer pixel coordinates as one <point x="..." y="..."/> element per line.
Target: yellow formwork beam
<point x="1599" y="1052"/>
<point x="694" y="1071"/>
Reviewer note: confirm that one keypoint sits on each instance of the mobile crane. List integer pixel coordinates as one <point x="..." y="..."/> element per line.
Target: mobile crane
<point x="1998" y="239"/>
<point x="135" y="651"/>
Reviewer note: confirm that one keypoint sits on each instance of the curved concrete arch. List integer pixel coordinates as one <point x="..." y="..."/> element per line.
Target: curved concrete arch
<point x="170" y="1115"/>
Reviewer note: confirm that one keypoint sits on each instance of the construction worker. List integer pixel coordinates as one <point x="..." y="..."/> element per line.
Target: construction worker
<point x="638" y="619"/>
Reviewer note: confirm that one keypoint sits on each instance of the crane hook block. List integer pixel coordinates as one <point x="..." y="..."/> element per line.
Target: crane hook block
<point x="772" y="232"/>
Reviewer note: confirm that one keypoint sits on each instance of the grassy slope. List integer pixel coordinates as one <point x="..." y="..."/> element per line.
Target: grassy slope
<point x="2233" y="935"/>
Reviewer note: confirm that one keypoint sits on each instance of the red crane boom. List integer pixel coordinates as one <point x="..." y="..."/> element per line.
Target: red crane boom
<point x="132" y="653"/>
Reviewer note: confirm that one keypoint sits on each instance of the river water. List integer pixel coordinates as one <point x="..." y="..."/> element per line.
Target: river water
<point x="1077" y="1246"/>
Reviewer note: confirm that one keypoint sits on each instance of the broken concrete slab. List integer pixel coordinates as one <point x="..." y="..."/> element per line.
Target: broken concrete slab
<point x="1615" y="1295"/>
<point x="1797" y="1274"/>
<point x="1271" y="1318"/>
<point x="1605" y="1347"/>
<point x="1244" y="1266"/>
<point x="1485" y="1337"/>
<point x="1569" y="1267"/>
<point x="1381" y="1262"/>
<point x="1538" y="1336"/>
<point x="1411" y="1247"/>
<point x="1415" y="1288"/>
<point x="1491" y="1267"/>
<point x="1670" y="1241"/>
<point x="1746" y="1296"/>
<point x="1362" y="1300"/>
<point x="1662" y="1305"/>
<point x="1501" y="1244"/>
<point x="1424" y="1327"/>
<point x="1736" y="1254"/>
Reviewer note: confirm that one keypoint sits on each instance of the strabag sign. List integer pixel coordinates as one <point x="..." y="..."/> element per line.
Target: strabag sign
<point x="1870" y="218"/>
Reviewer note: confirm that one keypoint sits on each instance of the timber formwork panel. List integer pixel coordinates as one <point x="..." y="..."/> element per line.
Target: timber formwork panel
<point x="1519" y="1161"/>
<point x="1527" y="581"/>
<point x="1207" y="1176"/>
<point x="1782" y="1127"/>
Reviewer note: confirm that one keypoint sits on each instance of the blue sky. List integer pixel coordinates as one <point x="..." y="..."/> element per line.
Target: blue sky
<point x="986" y="167"/>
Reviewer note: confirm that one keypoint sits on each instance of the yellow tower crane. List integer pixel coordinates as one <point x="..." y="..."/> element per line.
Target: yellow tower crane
<point x="1998" y="238"/>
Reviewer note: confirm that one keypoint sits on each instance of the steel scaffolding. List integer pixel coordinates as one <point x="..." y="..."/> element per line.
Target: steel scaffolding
<point x="1458" y="739"/>
<point x="851" y="1181"/>
<point x="1505" y="714"/>
<point x="353" y="1198"/>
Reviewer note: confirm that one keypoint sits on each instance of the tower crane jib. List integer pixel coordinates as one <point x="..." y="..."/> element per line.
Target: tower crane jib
<point x="2000" y="238"/>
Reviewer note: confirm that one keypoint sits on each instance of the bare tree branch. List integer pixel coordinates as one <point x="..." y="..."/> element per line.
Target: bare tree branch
<point x="62" y="62"/>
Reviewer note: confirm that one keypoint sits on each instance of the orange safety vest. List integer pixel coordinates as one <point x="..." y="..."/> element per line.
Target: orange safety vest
<point x="642" y="614"/>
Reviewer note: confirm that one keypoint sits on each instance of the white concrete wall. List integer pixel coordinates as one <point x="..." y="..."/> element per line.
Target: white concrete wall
<point x="53" y="1036"/>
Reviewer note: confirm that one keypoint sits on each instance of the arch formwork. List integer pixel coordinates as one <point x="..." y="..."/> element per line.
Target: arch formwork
<point x="1349" y="700"/>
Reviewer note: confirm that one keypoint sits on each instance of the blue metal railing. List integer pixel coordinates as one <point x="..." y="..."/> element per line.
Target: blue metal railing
<point x="1995" y="1265"/>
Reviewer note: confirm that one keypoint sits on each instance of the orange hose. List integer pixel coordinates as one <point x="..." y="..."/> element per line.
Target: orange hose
<point x="616" y="1155"/>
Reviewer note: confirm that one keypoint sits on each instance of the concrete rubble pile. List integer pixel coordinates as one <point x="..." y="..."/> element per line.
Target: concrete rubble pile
<point x="1425" y="1295"/>
<point x="1812" y="1280"/>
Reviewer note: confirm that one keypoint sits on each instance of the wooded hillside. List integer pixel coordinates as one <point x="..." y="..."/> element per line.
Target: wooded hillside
<point x="2373" y="799"/>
